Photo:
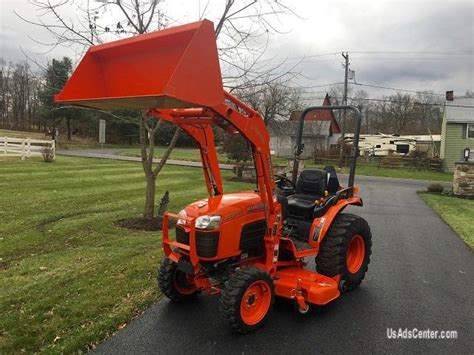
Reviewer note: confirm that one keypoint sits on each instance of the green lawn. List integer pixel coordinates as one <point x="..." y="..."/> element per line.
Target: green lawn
<point x="22" y="134"/>
<point x="75" y="143"/>
<point x="362" y="169"/>
<point x="69" y="277"/>
<point x="402" y="173"/>
<point x="189" y="154"/>
<point x="457" y="212"/>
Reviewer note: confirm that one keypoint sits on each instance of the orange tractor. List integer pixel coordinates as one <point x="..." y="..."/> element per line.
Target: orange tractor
<point x="245" y="247"/>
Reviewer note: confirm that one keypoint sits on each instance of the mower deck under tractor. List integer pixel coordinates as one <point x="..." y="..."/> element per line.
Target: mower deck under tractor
<point x="246" y="247"/>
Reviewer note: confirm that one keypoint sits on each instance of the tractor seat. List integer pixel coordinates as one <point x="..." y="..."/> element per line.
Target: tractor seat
<point x="310" y="187"/>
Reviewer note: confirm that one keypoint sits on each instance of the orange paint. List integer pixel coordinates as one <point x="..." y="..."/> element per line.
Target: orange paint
<point x="174" y="75"/>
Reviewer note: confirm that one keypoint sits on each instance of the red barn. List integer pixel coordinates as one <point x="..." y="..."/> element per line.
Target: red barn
<point x="322" y="115"/>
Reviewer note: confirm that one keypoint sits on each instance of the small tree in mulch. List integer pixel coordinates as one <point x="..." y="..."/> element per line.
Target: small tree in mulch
<point x="238" y="151"/>
<point x="148" y="224"/>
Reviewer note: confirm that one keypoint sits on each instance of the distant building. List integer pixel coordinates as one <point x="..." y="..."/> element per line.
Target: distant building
<point x="390" y="144"/>
<point x="320" y="132"/>
<point x="457" y="132"/>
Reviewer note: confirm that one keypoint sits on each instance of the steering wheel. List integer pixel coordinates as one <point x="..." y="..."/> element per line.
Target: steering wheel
<point x="283" y="183"/>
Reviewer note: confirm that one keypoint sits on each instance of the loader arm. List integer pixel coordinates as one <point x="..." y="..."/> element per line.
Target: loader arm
<point x="235" y="117"/>
<point x="174" y="75"/>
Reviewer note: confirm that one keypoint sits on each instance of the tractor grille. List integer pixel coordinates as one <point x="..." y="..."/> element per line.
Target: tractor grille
<point x="206" y="242"/>
<point x="251" y="238"/>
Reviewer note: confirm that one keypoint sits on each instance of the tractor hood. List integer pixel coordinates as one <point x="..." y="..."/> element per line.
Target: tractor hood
<point x="229" y="206"/>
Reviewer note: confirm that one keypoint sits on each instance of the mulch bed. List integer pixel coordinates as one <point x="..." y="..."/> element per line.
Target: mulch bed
<point x="140" y="223"/>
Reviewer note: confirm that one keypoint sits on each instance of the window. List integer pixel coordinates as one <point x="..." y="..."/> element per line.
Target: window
<point x="403" y="148"/>
<point x="378" y="146"/>
<point x="470" y="131"/>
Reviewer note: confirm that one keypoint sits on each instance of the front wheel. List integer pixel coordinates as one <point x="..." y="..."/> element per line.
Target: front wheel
<point x="247" y="299"/>
<point x="175" y="284"/>
<point x="345" y="250"/>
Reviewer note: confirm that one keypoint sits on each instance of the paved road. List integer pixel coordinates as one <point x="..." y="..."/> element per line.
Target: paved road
<point x="421" y="275"/>
<point x="111" y="153"/>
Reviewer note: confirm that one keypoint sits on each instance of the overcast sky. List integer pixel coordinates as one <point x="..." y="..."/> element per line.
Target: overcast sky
<point x="423" y="44"/>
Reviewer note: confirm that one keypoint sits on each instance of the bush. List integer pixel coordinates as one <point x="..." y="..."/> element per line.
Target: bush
<point x="237" y="149"/>
<point x="417" y="153"/>
<point x="48" y="154"/>
<point x="435" y="188"/>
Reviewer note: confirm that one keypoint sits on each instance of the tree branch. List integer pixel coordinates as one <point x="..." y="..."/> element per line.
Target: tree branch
<point x="167" y="153"/>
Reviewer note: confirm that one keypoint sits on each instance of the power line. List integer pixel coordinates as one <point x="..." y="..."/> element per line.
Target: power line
<point x="378" y="87"/>
<point x="302" y="58"/>
<point x="426" y="53"/>
<point x="412" y="52"/>
<point x="396" y="89"/>
<point x="321" y="86"/>
<point x="415" y="103"/>
<point x="309" y="98"/>
<point x="413" y="58"/>
<point x="393" y="101"/>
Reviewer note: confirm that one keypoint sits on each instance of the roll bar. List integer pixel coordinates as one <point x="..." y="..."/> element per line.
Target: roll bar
<point x="355" y="146"/>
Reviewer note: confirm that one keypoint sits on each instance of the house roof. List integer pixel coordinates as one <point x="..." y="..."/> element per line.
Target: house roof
<point x="321" y="115"/>
<point x="455" y="113"/>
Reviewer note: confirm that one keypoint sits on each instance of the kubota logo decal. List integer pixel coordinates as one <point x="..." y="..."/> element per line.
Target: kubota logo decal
<point x="255" y="208"/>
<point x="233" y="215"/>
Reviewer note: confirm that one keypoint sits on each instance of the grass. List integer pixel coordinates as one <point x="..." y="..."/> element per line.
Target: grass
<point x="402" y="173"/>
<point x="456" y="212"/>
<point x="75" y="143"/>
<point x="69" y="277"/>
<point x="190" y="154"/>
<point x="362" y="169"/>
<point x="22" y="134"/>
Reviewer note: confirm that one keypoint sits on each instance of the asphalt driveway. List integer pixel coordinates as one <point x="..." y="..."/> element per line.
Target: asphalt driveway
<point x="421" y="276"/>
<point x="112" y="153"/>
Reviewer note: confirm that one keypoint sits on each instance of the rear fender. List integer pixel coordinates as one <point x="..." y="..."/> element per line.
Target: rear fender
<point x="321" y="225"/>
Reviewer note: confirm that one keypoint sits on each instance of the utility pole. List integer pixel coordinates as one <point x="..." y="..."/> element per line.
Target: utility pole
<point x="367" y="119"/>
<point x="344" y="102"/>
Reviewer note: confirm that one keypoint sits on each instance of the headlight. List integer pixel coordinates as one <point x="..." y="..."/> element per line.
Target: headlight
<point x="181" y="222"/>
<point x="208" y="222"/>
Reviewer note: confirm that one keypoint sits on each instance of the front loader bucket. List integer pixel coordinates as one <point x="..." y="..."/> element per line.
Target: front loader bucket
<point x="172" y="68"/>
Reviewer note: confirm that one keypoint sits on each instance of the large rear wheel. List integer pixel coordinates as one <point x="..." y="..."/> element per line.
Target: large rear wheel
<point x="345" y="250"/>
<point x="175" y="284"/>
<point x="247" y="299"/>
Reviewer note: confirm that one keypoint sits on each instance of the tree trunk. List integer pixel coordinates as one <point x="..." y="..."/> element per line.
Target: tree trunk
<point x="150" y="196"/>
<point x="68" y="123"/>
<point x="147" y="145"/>
<point x="53" y="130"/>
<point x="147" y="168"/>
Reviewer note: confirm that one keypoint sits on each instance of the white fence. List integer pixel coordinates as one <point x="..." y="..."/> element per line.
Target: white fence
<point x="25" y="147"/>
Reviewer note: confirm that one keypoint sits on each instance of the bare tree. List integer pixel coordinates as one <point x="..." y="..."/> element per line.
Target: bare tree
<point x="428" y="113"/>
<point x="19" y="88"/>
<point x="6" y="69"/>
<point x="239" y="25"/>
<point x="336" y="93"/>
<point x="275" y="100"/>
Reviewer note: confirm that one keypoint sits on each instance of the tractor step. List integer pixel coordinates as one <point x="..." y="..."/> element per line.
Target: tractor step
<point x="177" y="244"/>
<point x="299" y="248"/>
<point x="317" y="289"/>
